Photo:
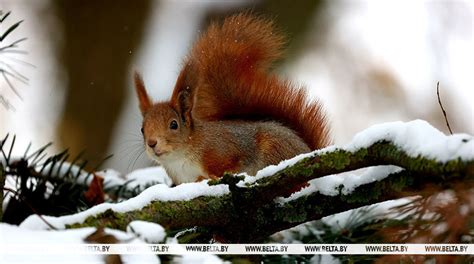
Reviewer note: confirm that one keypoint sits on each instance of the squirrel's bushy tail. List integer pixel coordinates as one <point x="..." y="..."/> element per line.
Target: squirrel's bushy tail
<point x="241" y="44"/>
<point x="227" y="72"/>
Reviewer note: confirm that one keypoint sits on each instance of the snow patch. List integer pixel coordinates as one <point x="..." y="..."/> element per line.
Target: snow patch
<point x="346" y="182"/>
<point x="159" y="192"/>
<point x="381" y="210"/>
<point x="417" y="137"/>
<point x="14" y="235"/>
<point x="146" y="231"/>
<point x="145" y="176"/>
<point x="342" y="221"/>
<point x="141" y="178"/>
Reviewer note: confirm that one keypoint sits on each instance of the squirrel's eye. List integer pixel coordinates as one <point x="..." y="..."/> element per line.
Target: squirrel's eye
<point x="174" y="125"/>
<point x="141" y="130"/>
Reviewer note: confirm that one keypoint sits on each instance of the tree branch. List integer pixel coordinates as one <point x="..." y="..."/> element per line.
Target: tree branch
<point x="339" y="160"/>
<point x="251" y="213"/>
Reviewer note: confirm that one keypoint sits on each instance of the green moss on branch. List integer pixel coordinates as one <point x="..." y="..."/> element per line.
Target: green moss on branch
<point x="337" y="161"/>
<point x="201" y="211"/>
<point x="250" y="214"/>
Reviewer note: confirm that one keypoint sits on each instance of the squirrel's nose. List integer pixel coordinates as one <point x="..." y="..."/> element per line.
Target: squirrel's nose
<point x="151" y="143"/>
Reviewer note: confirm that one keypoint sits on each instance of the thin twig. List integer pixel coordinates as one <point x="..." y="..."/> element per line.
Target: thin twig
<point x="30" y="206"/>
<point x="444" y="112"/>
<point x="2" y="184"/>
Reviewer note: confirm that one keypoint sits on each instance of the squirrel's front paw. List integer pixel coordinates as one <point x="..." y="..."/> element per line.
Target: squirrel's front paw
<point x="208" y="177"/>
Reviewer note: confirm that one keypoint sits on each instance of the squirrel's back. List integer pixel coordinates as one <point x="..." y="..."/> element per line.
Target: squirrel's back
<point x="246" y="146"/>
<point x="227" y="73"/>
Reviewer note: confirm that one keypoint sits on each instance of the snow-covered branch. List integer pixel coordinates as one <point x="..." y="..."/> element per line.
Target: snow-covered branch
<point x="242" y="208"/>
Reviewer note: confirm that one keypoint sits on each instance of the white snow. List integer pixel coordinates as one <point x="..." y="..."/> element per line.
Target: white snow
<point x="182" y="232"/>
<point x="416" y="137"/>
<point x="381" y="210"/>
<point x="141" y="178"/>
<point x="342" y="221"/>
<point x="11" y="235"/>
<point x="161" y="192"/>
<point x="111" y="178"/>
<point x="272" y="169"/>
<point x="329" y="185"/>
<point x="149" y="232"/>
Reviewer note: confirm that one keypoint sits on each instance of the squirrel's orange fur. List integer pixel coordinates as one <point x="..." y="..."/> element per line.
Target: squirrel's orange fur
<point x="228" y="72"/>
<point x="227" y="113"/>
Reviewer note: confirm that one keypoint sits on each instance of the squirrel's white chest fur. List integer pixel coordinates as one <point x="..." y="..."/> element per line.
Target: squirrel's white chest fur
<point x="180" y="168"/>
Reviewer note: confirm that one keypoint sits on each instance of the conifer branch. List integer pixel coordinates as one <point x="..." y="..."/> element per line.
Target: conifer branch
<point x="7" y="70"/>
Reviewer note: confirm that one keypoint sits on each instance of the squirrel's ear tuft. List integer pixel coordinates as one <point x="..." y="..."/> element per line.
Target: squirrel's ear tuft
<point x="184" y="107"/>
<point x="143" y="98"/>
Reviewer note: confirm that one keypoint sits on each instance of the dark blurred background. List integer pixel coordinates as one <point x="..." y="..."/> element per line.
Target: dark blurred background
<point x="367" y="61"/>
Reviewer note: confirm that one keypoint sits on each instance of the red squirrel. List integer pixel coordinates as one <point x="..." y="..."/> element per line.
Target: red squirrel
<point x="228" y="113"/>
